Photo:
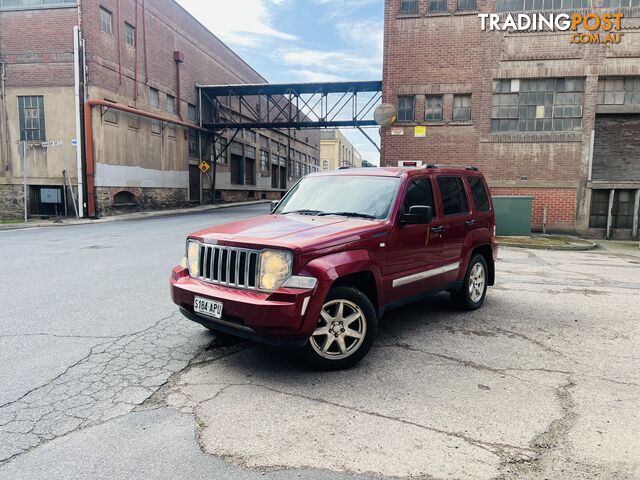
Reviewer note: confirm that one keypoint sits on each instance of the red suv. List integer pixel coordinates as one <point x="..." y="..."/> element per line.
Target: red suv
<point x="338" y="251"/>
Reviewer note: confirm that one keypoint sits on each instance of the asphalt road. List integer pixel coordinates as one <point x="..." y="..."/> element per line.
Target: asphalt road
<point x="102" y="378"/>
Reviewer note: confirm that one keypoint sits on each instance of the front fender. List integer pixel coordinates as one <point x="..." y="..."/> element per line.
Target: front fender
<point x="327" y="270"/>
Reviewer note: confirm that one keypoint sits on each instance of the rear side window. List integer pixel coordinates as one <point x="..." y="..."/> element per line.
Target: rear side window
<point x="454" y="200"/>
<point x="479" y="194"/>
<point x="419" y="193"/>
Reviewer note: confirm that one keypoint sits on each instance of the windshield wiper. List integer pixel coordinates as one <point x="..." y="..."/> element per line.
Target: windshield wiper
<point x="303" y="212"/>
<point x="348" y="214"/>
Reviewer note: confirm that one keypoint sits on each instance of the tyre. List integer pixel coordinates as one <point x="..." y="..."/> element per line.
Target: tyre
<point x="474" y="287"/>
<point x="345" y="330"/>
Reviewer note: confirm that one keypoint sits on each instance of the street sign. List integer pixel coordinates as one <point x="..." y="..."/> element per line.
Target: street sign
<point x="396" y="131"/>
<point x="52" y="143"/>
<point x="204" y="167"/>
<point x="74" y="142"/>
<point x="420" y="131"/>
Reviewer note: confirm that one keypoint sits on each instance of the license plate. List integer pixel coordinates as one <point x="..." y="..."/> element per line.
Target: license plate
<point x="207" y="307"/>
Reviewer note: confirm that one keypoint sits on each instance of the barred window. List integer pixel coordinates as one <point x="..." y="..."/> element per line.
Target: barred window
<point x="619" y="91"/>
<point x="537" y="105"/>
<point x="408" y="6"/>
<point x="523" y="5"/>
<point x="438" y="5"/>
<point x="433" y="108"/>
<point x="130" y="34"/>
<point x="31" y="118"/>
<point x="106" y="21"/>
<point x="466" y="5"/>
<point x="599" y="209"/>
<point x="109" y="114"/>
<point x="405" y="108"/>
<point x="462" y="108"/>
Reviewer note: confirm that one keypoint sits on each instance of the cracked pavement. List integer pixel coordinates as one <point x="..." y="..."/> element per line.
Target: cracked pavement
<point x="102" y="378"/>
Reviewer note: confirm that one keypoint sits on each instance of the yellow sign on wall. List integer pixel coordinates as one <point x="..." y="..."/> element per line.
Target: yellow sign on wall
<point x="204" y="167"/>
<point x="420" y="131"/>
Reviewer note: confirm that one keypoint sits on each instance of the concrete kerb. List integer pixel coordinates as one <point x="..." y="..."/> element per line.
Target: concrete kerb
<point x="578" y="244"/>
<point x="130" y="216"/>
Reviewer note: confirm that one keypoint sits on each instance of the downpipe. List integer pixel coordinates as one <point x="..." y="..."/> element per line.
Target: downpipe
<point x="78" y="109"/>
<point x="5" y="119"/>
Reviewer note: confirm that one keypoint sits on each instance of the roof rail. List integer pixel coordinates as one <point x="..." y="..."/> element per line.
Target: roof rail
<point x="344" y="168"/>
<point x="466" y="167"/>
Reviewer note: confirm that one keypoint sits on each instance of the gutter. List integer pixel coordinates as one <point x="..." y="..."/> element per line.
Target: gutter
<point x="4" y="119"/>
<point x="88" y="132"/>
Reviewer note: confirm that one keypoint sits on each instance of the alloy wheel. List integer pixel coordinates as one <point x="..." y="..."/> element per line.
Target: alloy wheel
<point x="477" y="280"/>
<point x="340" y="331"/>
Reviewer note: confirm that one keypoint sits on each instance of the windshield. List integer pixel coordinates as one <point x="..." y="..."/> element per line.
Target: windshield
<point x="341" y="195"/>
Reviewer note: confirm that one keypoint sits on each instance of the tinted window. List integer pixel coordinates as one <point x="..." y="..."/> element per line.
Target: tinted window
<point x="479" y="194"/>
<point x="454" y="200"/>
<point x="418" y="193"/>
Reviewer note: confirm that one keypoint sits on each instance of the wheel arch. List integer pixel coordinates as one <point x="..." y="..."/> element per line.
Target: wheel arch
<point x="487" y="252"/>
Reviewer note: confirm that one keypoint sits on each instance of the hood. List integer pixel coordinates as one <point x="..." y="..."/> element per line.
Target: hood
<point x="293" y="231"/>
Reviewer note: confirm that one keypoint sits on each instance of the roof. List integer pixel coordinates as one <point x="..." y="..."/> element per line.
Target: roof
<point x="395" y="171"/>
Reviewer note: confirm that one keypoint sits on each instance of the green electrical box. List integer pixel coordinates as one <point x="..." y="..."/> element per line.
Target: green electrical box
<point x="513" y="215"/>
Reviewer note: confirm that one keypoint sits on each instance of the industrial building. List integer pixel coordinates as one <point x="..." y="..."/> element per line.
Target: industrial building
<point x="540" y="115"/>
<point x="337" y="151"/>
<point x="108" y="89"/>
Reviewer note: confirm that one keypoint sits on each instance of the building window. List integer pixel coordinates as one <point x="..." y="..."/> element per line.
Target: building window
<point x="221" y="150"/>
<point x="27" y="4"/>
<point x="523" y="5"/>
<point x="619" y="91"/>
<point x="433" y="108"/>
<point x="154" y="98"/>
<point x="130" y="34"/>
<point x="264" y="161"/>
<point x="537" y="105"/>
<point x="171" y="104"/>
<point x="405" y="108"/>
<point x="462" y="108"/>
<point x="193" y="143"/>
<point x="325" y="164"/>
<point x="31" y="118"/>
<point x="109" y="114"/>
<point x="264" y="141"/>
<point x="106" y="21"/>
<point x="134" y="121"/>
<point x="250" y="136"/>
<point x="467" y="5"/>
<point x="623" y="209"/>
<point x="599" y="209"/>
<point x="620" y="3"/>
<point x="408" y="6"/>
<point x="156" y="126"/>
<point x="192" y="112"/>
<point x="438" y="5"/>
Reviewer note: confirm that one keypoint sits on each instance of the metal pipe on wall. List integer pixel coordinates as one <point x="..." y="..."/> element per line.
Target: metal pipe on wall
<point x="4" y="118"/>
<point x="78" y="109"/>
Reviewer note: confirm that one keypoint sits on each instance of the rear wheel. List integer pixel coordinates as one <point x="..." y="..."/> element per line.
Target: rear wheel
<point x="474" y="288"/>
<point x="344" y="332"/>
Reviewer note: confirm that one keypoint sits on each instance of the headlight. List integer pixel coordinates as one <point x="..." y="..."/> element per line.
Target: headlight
<point x="193" y="258"/>
<point x="275" y="268"/>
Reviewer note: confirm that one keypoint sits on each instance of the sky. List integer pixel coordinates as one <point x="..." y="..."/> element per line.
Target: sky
<point x="303" y="41"/>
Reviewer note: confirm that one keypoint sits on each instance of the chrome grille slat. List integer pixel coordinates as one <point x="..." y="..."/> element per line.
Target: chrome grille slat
<point x="229" y="266"/>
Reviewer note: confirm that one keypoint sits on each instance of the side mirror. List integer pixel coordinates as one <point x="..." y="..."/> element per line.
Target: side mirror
<point x="418" y="215"/>
<point x="274" y="205"/>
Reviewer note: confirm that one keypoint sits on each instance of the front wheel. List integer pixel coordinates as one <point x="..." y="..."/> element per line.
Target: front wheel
<point x="474" y="288"/>
<point x="344" y="332"/>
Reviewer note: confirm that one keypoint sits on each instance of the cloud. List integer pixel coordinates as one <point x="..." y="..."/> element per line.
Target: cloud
<point x="346" y="65"/>
<point x="243" y="23"/>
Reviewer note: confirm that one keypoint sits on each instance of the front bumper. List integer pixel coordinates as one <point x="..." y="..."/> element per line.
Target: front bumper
<point x="283" y="316"/>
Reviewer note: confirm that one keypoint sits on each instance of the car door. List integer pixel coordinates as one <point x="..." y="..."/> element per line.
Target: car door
<point x="457" y="219"/>
<point x="414" y="250"/>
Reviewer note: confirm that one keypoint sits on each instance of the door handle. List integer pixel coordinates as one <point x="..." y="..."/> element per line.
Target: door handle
<point x="438" y="229"/>
<point x="470" y="222"/>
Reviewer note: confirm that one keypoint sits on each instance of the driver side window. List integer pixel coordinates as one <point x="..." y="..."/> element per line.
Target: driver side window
<point x="419" y="193"/>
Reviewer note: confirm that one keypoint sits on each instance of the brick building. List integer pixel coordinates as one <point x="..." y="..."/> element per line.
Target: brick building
<point x="147" y="55"/>
<point x="540" y="116"/>
<point x="337" y="151"/>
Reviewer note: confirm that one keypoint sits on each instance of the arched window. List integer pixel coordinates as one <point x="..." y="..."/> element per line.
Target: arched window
<point x="325" y="165"/>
